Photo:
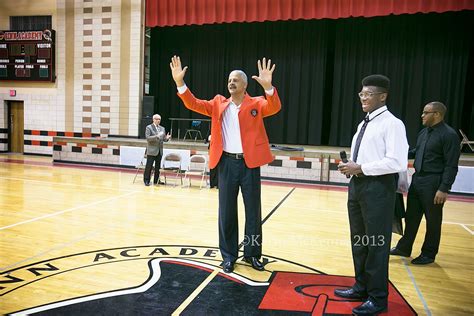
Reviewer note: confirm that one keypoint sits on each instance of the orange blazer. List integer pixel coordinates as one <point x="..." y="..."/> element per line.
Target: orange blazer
<point x="252" y="130"/>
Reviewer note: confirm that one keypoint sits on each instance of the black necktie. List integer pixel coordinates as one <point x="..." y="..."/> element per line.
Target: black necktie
<point x="421" y="151"/>
<point x="359" y="138"/>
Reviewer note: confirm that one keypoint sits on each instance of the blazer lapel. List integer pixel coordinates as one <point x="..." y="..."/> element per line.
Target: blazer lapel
<point x="222" y="108"/>
<point x="245" y="104"/>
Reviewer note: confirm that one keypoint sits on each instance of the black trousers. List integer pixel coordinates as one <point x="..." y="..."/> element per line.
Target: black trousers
<point x="371" y="207"/>
<point x="421" y="201"/>
<point x="234" y="174"/>
<point x="213" y="179"/>
<point x="150" y="160"/>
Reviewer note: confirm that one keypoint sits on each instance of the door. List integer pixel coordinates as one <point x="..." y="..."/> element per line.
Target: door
<point x="15" y="127"/>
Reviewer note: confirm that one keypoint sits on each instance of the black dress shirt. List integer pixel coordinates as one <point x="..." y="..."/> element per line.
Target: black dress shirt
<point x="441" y="153"/>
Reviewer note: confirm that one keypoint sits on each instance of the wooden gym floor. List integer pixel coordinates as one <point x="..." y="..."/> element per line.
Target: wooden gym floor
<point x="70" y="232"/>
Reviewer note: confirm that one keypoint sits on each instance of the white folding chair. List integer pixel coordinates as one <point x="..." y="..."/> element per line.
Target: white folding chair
<point x="197" y="167"/>
<point x="172" y="165"/>
<point x="466" y="141"/>
<point x="140" y="166"/>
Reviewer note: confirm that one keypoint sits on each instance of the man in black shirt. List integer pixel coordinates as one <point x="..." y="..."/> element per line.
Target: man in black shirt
<point x="436" y="165"/>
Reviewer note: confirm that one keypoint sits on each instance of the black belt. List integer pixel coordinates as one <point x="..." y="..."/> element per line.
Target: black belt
<point x="361" y="175"/>
<point x="424" y="173"/>
<point x="234" y="156"/>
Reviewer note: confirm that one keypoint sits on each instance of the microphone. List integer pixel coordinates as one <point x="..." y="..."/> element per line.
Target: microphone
<point x="343" y="156"/>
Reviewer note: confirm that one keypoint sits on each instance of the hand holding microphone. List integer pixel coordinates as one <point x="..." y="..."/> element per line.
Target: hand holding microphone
<point x="349" y="167"/>
<point x="343" y="156"/>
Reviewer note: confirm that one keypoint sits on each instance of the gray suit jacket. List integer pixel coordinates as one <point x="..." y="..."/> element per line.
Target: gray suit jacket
<point x="155" y="136"/>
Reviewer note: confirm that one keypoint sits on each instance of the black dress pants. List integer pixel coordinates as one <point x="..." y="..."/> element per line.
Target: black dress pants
<point x="213" y="179"/>
<point x="421" y="201"/>
<point x="234" y="174"/>
<point x="371" y="207"/>
<point x="150" y="160"/>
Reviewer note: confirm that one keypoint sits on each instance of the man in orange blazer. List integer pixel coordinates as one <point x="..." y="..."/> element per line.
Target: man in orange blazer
<point x="239" y="146"/>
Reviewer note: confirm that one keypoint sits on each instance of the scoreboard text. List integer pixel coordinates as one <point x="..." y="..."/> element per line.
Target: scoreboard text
<point x="27" y="55"/>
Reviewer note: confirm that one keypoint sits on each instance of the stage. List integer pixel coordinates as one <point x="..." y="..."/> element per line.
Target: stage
<point x="292" y="163"/>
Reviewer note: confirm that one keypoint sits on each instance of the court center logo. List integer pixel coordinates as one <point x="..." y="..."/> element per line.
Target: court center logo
<point x="173" y="279"/>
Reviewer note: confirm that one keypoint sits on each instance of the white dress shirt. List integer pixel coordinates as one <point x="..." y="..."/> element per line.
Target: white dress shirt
<point x="231" y="139"/>
<point x="384" y="145"/>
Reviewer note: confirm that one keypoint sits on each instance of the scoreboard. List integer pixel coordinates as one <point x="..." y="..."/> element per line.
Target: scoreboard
<point x="27" y="55"/>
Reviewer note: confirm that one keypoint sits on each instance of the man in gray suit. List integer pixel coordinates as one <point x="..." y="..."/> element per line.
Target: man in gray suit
<point x="155" y="136"/>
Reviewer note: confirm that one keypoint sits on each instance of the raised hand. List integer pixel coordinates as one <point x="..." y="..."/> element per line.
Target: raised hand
<point x="265" y="73"/>
<point x="177" y="71"/>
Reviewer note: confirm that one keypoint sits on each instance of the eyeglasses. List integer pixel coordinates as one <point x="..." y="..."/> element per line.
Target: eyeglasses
<point x="363" y="95"/>
<point x="428" y="112"/>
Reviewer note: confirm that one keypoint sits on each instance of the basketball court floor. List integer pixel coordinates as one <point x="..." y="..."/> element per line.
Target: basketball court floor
<point x="78" y="240"/>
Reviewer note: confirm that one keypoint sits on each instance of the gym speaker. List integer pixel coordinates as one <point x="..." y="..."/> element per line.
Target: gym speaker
<point x="148" y="105"/>
<point x="144" y="122"/>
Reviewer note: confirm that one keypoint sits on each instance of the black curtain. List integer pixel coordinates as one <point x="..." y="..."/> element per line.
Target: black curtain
<point x="213" y="51"/>
<point x="319" y="67"/>
<point x="425" y="56"/>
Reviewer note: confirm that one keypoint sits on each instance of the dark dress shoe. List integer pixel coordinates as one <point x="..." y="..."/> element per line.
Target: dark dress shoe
<point x="369" y="307"/>
<point x="397" y="252"/>
<point x="228" y="266"/>
<point x="147" y="183"/>
<point x="422" y="259"/>
<point x="351" y="294"/>
<point x="257" y="265"/>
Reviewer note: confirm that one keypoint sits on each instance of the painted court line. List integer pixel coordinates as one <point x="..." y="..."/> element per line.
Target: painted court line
<point x="66" y="211"/>
<point x="58" y="247"/>
<point x="67" y="184"/>
<point x="277" y="206"/>
<point x="412" y="277"/>
<point x="199" y="289"/>
<point x="270" y="213"/>
<point x="467" y="228"/>
<point x="463" y="225"/>
<point x="195" y="293"/>
<point x="469" y="198"/>
<point x="456" y="223"/>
